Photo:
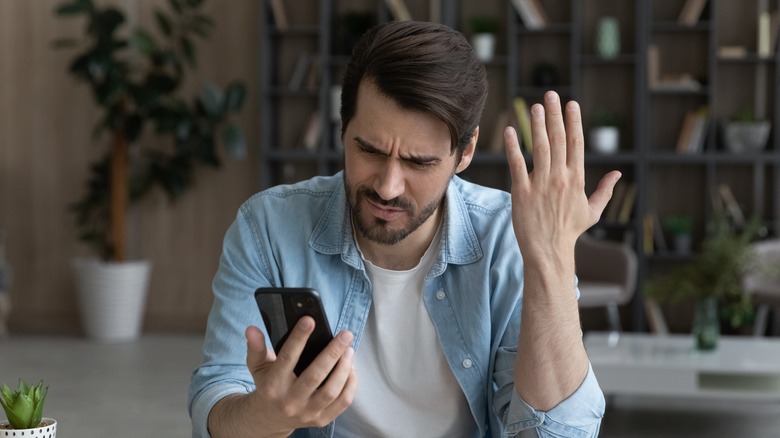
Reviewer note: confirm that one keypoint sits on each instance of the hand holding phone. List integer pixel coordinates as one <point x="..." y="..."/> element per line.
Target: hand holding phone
<point x="281" y="308"/>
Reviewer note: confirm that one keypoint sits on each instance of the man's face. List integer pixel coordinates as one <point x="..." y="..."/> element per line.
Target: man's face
<point x="397" y="164"/>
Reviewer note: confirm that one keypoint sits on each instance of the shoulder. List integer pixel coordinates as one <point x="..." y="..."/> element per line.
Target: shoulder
<point x="481" y="200"/>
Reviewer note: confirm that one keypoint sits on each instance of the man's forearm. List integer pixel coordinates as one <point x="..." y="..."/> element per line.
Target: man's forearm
<point x="551" y="361"/>
<point x="231" y="417"/>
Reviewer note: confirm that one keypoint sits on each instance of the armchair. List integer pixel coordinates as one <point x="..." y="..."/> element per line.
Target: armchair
<point x="607" y="272"/>
<point x="763" y="282"/>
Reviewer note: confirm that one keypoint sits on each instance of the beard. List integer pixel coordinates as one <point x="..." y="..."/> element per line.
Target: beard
<point x="378" y="230"/>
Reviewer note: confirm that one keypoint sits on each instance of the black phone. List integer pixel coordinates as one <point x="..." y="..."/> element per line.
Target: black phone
<point x="282" y="307"/>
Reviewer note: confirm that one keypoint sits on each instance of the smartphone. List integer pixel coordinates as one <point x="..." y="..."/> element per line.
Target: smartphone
<point x="281" y="308"/>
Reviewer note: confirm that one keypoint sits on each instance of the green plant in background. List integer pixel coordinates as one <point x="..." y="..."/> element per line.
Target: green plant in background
<point x="135" y="77"/>
<point x="715" y="271"/>
<point x="483" y="24"/>
<point x="678" y="225"/>
<point x="606" y="117"/>
<point x="23" y="407"/>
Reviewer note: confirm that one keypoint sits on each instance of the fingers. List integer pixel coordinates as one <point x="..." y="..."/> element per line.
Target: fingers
<point x="293" y="347"/>
<point x="552" y="147"/>
<point x="322" y="368"/>
<point x="601" y="196"/>
<point x="575" y="139"/>
<point x="257" y="354"/>
<point x="514" y="156"/>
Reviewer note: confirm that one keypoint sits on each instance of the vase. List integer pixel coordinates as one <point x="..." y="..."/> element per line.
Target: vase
<point x="48" y="429"/>
<point x="604" y="140"/>
<point x="112" y="298"/>
<point x="706" y="326"/>
<point x="608" y="37"/>
<point x="484" y="46"/>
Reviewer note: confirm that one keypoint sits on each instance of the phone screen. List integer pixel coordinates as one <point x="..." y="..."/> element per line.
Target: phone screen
<point x="281" y="308"/>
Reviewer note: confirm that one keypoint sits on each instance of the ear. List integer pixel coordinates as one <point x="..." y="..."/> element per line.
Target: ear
<point x="468" y="152"/>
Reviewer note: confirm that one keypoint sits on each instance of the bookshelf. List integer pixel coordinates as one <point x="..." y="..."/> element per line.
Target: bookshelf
<point x="666" y="68"/>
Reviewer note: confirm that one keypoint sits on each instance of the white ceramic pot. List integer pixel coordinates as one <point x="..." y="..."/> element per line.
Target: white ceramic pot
<point x="48" y="430"/>
<point x="484" y="46"/>
<point x="112" y="297"/>
<point x="743" y="137"/>
<point x="604" y="139"/>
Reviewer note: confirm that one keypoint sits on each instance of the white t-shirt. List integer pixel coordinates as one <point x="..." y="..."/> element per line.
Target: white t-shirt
<point x="406" y="388"/>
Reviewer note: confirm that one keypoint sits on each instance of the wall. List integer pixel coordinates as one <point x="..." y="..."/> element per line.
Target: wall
<point x="46" y="121"/>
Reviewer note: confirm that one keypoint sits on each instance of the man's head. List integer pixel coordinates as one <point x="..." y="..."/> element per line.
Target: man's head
<point x="412" y="97"/>
<point x="422" y="66"/>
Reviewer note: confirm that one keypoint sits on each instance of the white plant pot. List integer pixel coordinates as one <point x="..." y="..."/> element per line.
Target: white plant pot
<point x="49" y="430"/>
<point x="604" y="139"/>
<point x="484" y="46"/>
<point x="743" y="137"/>
<point x="112" y="298"/>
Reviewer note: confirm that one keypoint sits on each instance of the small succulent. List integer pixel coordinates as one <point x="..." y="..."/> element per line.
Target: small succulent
<point x="24" y="407"/>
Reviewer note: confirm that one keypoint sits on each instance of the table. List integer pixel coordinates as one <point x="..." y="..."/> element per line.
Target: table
<point x="741" y="367"/>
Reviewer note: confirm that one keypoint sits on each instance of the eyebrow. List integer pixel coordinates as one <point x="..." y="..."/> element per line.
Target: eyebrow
<point x="368" y="146"/>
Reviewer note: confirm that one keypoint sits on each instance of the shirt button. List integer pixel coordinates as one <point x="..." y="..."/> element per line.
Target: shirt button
<point x="467" y="363"/>
<point x="440" y="295"/>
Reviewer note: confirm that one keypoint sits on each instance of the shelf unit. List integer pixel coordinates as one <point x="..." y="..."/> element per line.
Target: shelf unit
<point x="666" y="182"/>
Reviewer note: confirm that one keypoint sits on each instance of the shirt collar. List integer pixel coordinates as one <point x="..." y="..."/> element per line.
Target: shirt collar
<point x="333" y="233"/>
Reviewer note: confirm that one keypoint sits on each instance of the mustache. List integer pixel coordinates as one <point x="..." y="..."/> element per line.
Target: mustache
<point x="374" y="197"/>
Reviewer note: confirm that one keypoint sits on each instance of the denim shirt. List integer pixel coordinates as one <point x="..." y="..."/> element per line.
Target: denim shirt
<point x="301" y="236"/>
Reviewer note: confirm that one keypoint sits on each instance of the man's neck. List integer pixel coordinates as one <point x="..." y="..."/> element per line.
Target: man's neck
<point x="405" y="254"/>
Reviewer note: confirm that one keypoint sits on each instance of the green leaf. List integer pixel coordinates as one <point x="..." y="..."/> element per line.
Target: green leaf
<point x="235" y="141"/>
<point x="106" y="22"/>
<point x="144" y="42"/>
<point x="163" y="23"/>
<point x="75" y="7"/>
<point x="188" y="50"/>
<point x="176" y="5"/>
<point x="212" y="98"/>
<point x="234" y="97"/>
<point x="202" y="25"/>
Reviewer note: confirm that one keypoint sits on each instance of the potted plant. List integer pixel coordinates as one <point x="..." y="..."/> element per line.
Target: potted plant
<point x="679" y="227"/>
<point x="604" y="134"/>
<point x="483" y="36"/>
<point x="745" y="132"/>
<point x="24" y="411"/>
<point x="713" y="280"/>
<point x="135" y="77"/>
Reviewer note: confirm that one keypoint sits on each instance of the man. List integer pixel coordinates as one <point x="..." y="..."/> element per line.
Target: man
<point x="455" y="304"/>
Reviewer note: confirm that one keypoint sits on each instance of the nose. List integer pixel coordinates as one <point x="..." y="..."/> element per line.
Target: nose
<point x="389" y="183"/>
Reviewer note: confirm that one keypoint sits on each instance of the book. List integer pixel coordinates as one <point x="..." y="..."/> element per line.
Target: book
<point x="691" y="12"/>
<point x="299" y="71"/>
<point x="659" y="241"/>
<point x="279" y="14"/>
<point x="647" y="234"/>
<point x="774" y="29"/>
<point x="539" y="12"/>
<point x="699" y="133"/>
<point x="523" y="115"/>
<point x="731" y="207"/>
<point x="627" y="205"/>
<point x="763" y="46"/>
<point x="653" y="65"/>
<point x="732" y="52"/>
<point x="686" y="131"/>
<point x="312" y="132"/>
<point x="497" y="140"/>
<point x="528" y="14"/>
<point x="613" y="206"/>
<point x="399" y="10"/>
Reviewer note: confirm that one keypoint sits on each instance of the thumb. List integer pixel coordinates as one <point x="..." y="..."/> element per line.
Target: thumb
<point x="603" y="193"/>
<point x="257" y="354"/>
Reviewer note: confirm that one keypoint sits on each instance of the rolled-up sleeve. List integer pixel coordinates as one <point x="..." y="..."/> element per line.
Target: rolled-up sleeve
<point x="578" y="416"/>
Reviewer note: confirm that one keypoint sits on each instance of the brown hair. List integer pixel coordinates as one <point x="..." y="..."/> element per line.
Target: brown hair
<point x="422" y="66"/>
